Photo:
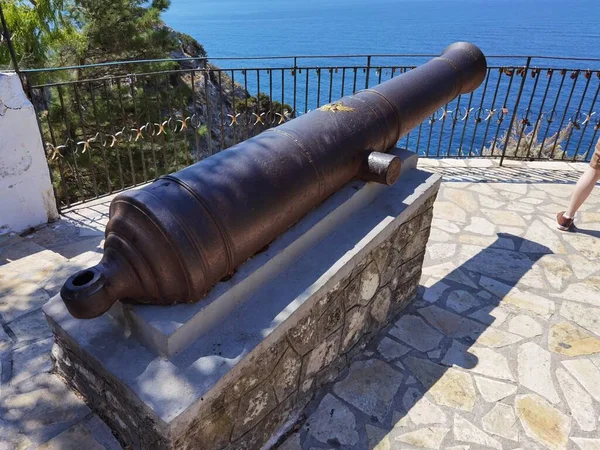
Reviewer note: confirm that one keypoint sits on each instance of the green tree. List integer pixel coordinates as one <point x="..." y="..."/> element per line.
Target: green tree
<point x="77" y="32"/>
<point x="37" y="28"/>
<point x="121" y="29"/>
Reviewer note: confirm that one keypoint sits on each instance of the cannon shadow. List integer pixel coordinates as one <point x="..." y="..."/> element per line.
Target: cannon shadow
<point x="418" y="371"/>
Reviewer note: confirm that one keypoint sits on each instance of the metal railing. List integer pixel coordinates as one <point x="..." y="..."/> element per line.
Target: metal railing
<point x="107" y="127"/>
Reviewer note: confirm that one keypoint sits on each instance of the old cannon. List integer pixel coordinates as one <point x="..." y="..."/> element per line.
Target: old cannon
<point x="174" y="239"/>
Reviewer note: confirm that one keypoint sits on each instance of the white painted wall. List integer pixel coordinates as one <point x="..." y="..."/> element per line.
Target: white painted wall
<point x="26" y="196"/>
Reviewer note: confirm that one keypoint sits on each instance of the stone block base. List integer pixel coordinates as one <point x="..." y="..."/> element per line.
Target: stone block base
<point x="246" y="381"/>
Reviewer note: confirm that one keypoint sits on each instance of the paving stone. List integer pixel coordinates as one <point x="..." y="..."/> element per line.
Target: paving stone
<point x="430" y="437"/>
<point x="357" y="387"/>
<point x="511" y="231"/>
<point x="532" y="201"/>
<point x="485" y="295"/>
<point x="586" y="443"/>
<point x="420" y="410"/>
<point x="79" y="437"/>
<point x="580" y="402"/>
<point x="566" y="339"/>
<point x="542" y="422"/>
<point x="433" y="293"/>
<point x="377" y="439"/>
<point x="31" y="327"/>
<point x="452" y="325"/>
<point x="534" y="367"/>
<point x="291" y="443"/>
<point x="333" y="420"/>
<point x="496" y="338"/>
<point x="441" y="251"/>
<point x="462" y="198"/>
<point x="499" y="263"/>
<point x="448" y="387"/>
<point x="479" y="360"/>
<point x="39" y="267"/>
<point x="42" y="406"/>
<point x="541" y="239"/>
<point x="555" y="190"/>
<point x="587" y="373"/>
<point x="461" y="301"/>
<point x="439" y="236"/>
<point x="459" y="447"/>
<point x="11" y="438"/>
<point x="486" y="241"/>
<point x="557" y="270"/>
<point x="448" y="272"/>
<point x="434" y="354"/>
<point x="501" y="420"/>
<point x="489" y="202"/>
<point x="401" y="420"/>
<point x="490" y="315"/>
<point x="588" y="291"/>
<point x="493" y="391"/>
<point x="583" y="267"/>
<point x="31" y="360"/>
<point x="524" y="326"/>
<point x="484" y="189"/>
<point x="479" y="225"/>
<point x="502" y="217"/>
<point x="583" y="315"/>
<point x="533" y="278"/>
<point x="390" y="349"/>
<point x="514" y="298"/>
<point x="449" y="211"/>
<point x="445" y="225"/>
<point x="517" y="188"/>
<point x="535" y="193"/>
<point x="587" y="217"/>
<point x="467" y="432"/>
<point x="588" y="246"/>
<point x="413" y="330"/>
<point x="19" y="296"/>
<point x="5" y="341"/>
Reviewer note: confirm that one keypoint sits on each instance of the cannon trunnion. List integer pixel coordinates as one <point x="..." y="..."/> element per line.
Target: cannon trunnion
<point x="173" y="240"/>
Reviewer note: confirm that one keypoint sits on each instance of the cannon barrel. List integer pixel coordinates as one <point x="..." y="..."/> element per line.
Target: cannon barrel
<point x="174" y="239"/>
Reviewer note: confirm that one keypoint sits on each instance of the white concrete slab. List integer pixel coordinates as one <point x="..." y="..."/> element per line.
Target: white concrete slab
<point x="173" y="390"/>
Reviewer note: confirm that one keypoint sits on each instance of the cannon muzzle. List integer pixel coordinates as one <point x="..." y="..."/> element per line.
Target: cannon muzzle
<point x="174" y="239"/>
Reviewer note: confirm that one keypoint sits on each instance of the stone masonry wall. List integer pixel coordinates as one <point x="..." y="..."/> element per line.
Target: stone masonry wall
<point x="269" y="397"/>
<point x="285" y="377"/>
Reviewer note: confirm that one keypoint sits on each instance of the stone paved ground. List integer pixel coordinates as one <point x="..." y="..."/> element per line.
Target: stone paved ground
<point x="501" y="351"/>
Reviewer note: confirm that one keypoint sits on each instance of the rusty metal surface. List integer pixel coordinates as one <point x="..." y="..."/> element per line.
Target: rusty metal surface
<point x="174" y="239"/>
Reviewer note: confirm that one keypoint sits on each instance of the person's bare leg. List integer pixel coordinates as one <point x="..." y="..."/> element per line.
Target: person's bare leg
<point x="582" y="191"/>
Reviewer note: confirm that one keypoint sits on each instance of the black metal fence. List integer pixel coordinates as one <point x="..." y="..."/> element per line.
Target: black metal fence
<point x="107" y="127"/>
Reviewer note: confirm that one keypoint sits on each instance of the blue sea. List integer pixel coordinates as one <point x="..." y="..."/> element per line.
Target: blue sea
<point x="317" y="27"/>
<point x="560" y="28"/>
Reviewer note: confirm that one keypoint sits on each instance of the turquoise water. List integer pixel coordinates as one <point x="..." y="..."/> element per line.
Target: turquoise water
<point x="290" y="27"/>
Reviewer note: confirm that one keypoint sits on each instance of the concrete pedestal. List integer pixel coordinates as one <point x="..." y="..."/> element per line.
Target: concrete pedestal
<point x="235" y="370"/>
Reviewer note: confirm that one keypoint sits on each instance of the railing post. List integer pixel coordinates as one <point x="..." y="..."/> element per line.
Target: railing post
<point x="515" y="112"/>
<point x="295" y="84"/>
<point x="368" y="72"/>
